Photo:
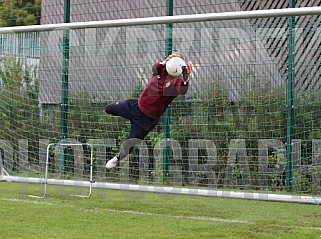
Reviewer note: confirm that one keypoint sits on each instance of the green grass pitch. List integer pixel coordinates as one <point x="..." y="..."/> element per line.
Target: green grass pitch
<point x="125" y="214"/>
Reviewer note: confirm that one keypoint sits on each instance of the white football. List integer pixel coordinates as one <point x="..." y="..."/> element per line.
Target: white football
<point x="174" y="66"/>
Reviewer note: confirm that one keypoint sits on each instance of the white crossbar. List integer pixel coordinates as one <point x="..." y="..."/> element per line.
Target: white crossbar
<point x="222" y="16"/>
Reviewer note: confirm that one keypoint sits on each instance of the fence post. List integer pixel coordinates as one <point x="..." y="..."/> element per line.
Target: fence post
<point x="166" y="131"/>
<point x="64" y="85"/>
<point x="290" y="101"/>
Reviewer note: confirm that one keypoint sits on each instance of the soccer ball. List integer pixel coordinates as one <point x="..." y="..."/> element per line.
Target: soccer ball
<point x="175" y="66"/>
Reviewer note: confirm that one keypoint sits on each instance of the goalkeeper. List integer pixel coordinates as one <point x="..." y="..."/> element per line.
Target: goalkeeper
<point x="170" y="78"/>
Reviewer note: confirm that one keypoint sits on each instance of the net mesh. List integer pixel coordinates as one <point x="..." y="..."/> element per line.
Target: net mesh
<point x="229" y="131"/>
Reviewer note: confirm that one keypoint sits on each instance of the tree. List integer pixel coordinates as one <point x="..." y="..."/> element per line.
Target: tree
<point x="19" y="13"/>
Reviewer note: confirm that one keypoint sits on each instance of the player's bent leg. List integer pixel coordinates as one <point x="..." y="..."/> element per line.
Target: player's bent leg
<point x="141" y="125"/>
<point x="121" y="108"/>
<point x="113" y="109"/>
<point x="109" y="109"/>
<point x="125" y="149"/>
<point x="135" y="137"/>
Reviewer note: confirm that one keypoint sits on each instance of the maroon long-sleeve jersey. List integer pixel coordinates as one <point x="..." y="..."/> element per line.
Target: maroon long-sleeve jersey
<point x="160" y="91"/>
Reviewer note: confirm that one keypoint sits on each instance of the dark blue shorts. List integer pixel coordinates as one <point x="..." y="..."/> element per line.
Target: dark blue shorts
<point x="141" y="124"/>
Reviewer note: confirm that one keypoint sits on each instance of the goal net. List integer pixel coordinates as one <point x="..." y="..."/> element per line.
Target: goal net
<point x="248" y="126"/>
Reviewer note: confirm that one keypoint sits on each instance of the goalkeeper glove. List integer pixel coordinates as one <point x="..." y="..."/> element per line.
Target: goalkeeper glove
<point x="187" y="71"/>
